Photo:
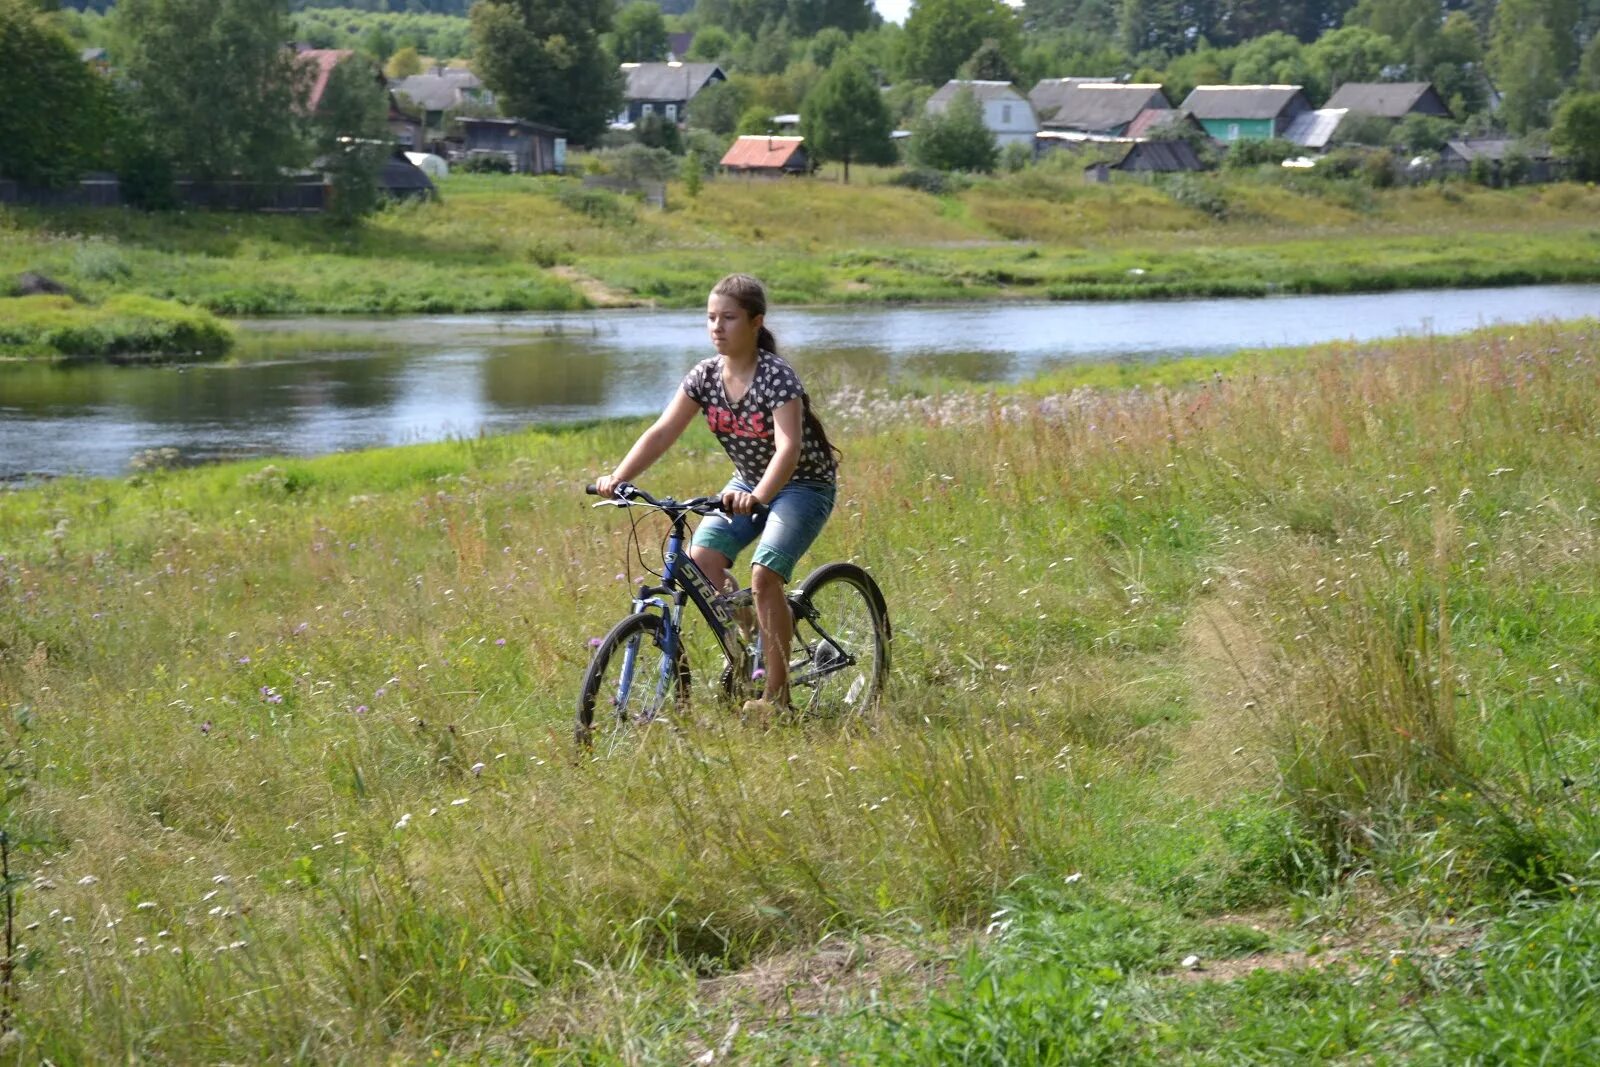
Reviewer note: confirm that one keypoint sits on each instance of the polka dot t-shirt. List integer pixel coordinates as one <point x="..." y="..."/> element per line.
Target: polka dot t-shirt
<point x="745" y="427"/>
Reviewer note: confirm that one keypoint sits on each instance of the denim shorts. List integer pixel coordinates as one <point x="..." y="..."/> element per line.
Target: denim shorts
<point x="792" y="523"/>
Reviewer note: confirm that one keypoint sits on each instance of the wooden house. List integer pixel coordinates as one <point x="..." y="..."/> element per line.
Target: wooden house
<point x="663" y="89"/>
<point x="530" y="147"/>
<point x="759" y="154"/>
<point x="1390" y="100"/>
<point x="1094" y="106"/>
<point x="1006" y="113"/>
<point x="1246" y="112"/>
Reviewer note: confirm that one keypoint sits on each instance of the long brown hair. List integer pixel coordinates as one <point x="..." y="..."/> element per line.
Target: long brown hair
<point x="748" y="292"/>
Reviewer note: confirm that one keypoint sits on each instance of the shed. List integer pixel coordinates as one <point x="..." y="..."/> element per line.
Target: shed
<point x="761" y="154"/>
<point x="530" y="147"/>
<point x="1158" y="157"/>
<point x="1390" y="100"/>
<point x="1246" y="112"/>
<point x="1458" y="155"/>
<point x="1006" y="113"/>
<point x="664" y="89"/>
<point x="1096" y="107"/>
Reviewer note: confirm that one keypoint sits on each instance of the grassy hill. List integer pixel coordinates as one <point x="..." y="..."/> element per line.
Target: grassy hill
<point x="506" y="243"/>
<point x="1291" y="672"/>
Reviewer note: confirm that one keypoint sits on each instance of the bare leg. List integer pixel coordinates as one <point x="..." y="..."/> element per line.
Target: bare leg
<point x="777" y="630"/>
<point x="717" y="569"/>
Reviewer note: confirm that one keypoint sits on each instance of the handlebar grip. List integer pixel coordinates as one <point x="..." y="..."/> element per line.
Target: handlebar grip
<point x="591" y="490"/>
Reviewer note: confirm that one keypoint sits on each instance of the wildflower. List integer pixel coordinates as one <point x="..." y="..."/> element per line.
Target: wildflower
<point x="88" y="879"/>
<point x="477" y="770"/>
<point x="405" y="820"/>
<point x="458" y="802"/>
<point x="244" y="660"/>
<point x="361" y="709"/>
<point x="500" y="642"/>
<point x="594" y="642"/>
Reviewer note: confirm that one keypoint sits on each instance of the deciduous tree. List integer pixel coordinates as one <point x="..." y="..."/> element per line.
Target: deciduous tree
<point x="640" y="35"/>
<point x="544" y="61"/>
<point x="844" y="119"/>
<point x="351" y="135"/>
<point x="940" y="35"/>
<point x="1524" y="62"/>
<point x="1576" y="133"/>
<point x="52" y="106"/>
<point x="215" y="84"/>
<point x="955" y="139"/>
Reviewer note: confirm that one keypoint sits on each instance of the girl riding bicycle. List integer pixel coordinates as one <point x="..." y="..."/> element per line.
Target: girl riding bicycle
<point x="758" y="410"/>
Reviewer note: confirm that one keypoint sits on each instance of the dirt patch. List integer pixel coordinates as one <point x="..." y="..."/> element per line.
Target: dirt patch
<point x="825" y="978"/>
<point x="596" y="291"/>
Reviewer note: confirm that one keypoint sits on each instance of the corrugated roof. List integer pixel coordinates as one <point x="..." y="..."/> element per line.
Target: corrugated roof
<point x="758" y="151"/>
<point x="1314" y="129"/>
<point x="1493" y="148"/>
<point x="983" y="90"/>
<point x="667" y="82"/>
<point x="1239" y="101"/>
<point x="1390" y="100"/>
<point x="1095" y="106"/>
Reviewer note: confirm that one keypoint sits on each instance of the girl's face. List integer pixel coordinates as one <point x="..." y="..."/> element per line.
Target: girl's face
<point x="733" y="330"/>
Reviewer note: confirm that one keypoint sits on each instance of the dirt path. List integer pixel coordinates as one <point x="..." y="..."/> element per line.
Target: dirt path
<point x="596" y="291"/>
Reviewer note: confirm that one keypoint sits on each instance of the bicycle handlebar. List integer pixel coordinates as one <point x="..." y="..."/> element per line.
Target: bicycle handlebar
<point x="627" y="493"/>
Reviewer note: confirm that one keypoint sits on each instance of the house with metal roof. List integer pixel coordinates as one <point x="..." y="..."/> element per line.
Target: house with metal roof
<point x="529" y="147"/>
<point x="1006" y="113"/>
<point x="1246" y="112"/>
<point x="760" y="154"/>
<point x="1147" y="157"/>
<point x="1390" y="100"/>
<point x="663" y="89"/>
<point x="1094" y="106"/>
<point x="1314" y="129"/>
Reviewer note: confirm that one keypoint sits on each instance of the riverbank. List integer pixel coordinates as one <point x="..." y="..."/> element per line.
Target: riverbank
<point x="1270" y="713"/>
<point x="502" y="243"/>
<point x="125" y="328"/>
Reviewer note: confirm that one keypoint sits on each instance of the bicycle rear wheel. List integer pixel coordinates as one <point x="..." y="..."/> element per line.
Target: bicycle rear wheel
<point x="630" y="681"/>
<point x="841" y="628"/>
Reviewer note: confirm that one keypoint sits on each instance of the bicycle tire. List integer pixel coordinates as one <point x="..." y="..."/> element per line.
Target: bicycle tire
<point x="642" y="631"/>
<point x="843" y="634"/>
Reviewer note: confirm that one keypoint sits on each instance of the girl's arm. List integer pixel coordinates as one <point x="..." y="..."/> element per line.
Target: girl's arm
<point x="787" y="432"/>
<point x="653" y="443"/>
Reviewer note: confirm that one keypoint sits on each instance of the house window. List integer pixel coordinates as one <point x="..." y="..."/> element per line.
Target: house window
<point x="648" y="109"/>
<point x="672" y="112"/>
<point x="1005" y="114"/>
<point x="1233" y="131"/>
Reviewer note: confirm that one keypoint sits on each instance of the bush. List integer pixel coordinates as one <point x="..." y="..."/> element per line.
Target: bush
<point x="1015" y="156"/>
<point x="1202" y="194"/>
<point x="1243" y="155"/>
<point x="484" y="164"/>
<point x="957" y="139"/>
<point x="928" y="180"/>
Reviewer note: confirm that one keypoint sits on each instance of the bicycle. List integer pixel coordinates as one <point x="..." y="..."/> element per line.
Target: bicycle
<point x="840" y="650"/>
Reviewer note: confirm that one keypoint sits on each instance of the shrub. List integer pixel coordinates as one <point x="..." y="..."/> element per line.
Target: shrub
<point x="957" y="139"/>
<point x="928" y="180"/>
<point x="1245" y="154"/>
<point x="484" y="164"/>
<point x="1202" y="194"/>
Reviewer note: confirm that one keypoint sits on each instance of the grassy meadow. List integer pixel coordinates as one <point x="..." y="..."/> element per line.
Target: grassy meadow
<point x="502" y="243"/>
<point x="1245" y="720"/>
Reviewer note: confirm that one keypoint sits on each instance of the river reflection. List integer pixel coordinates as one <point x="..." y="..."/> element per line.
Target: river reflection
<point x="422" y="378"/>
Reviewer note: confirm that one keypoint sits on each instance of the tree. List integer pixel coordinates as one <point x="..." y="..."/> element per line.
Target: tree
<point x="1274" y="59"/>
<point x="1350" y="54"/>
<point x="404" y="63"/>
<point x="988" y="63"/>
<point x="377" y="43"/>
<point x="810" y="17"/>
<point x="640" y="35"/>
<point x="1455" y="64"/>
<point x="940" y="35"/>
<point x="214" y="85"/>
<point x="955" y="139"/>
<point x="710" y="45"/>
<point x="1522" y="58"/>
<point x="717" y="107"/>
<point x="1576" y="133"/>
<point x="53" y="110"/>
<point x="351" y="135"/>
<point x="544" y="62"/>
<point x="844" y="119"/>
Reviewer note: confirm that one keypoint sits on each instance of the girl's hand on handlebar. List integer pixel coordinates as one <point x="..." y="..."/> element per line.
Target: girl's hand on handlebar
<point x="736" y="503"/>
<point x="606" y="485"/>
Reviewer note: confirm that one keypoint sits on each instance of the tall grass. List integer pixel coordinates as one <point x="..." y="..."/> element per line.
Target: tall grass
<point x="1260" y="643"/>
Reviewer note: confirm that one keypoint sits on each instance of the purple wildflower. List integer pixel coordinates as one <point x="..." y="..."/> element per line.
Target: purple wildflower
<point x="361" y="709"/>
<point x="500" y="642"/>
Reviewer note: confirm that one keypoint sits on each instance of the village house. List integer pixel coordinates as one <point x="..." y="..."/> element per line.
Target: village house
<point x="442" y="92"/>
<point x="663" y="89"/>
<point x="1246" y="112"/>
<point x="759" y="154"/>
<point x="530" y="147"/>
<point x="1390" y="100"/>
<point x="1006" y="112"/>
<point x="1494" y="155"/>
<point x="1094" y="106"/>
<point x="1315" y="129"/>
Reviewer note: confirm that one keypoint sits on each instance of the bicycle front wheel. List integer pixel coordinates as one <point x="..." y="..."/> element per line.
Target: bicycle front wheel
<point x="841" y="629"/>
<point x="632" y="679"/>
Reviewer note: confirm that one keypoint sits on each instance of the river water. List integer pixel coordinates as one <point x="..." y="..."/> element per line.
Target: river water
<point x="423" y="378"/>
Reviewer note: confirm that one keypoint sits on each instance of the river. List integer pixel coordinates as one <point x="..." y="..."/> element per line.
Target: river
<point x="422" y="378"/>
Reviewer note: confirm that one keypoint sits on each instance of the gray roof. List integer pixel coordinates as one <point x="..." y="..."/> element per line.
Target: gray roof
<point x="1314" y="129"/>
<point x="440" y="91"/>
<point x="668" y="81"/>
<point x="1494" y="148"/>
<point x="1240" y="101"/>
<point x="1159" y="156"/>
<point x="1086" y="105"/>
<point x="1390" y="100"/>
<point x="983" y="90"/>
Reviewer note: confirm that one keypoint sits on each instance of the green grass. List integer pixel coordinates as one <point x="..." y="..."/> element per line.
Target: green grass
<point x="124" y="327"/>
<point x="500" y="243"/>
<point x="1292" y="671"/>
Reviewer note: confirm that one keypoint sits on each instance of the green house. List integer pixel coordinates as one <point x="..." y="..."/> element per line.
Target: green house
<point x="1245" y="112"/>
